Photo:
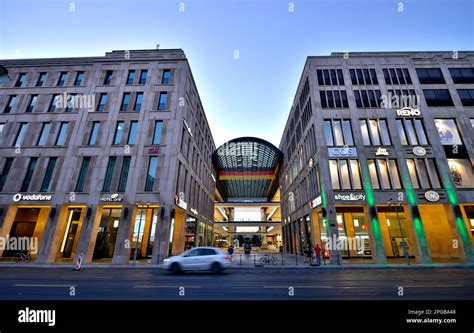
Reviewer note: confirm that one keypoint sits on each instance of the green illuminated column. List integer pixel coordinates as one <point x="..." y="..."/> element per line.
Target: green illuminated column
<point x="379" y="255"/>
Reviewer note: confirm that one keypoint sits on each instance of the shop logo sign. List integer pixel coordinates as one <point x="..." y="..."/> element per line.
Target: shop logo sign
<point x="32" y="197"/>
<point x="381" y="152"/>
<point x="419" y="151"/>
<point x="432" y="196"/>
<point x="316" y="202"/>
<point x="408" y="112"/>
<point x="344" y="151"/>
<point x="154" y="150"/>
<point x="194" y="211"/>
<point x="179" y="201"/>
<point x="112" y="198"/>
<point x="349" y="196"/>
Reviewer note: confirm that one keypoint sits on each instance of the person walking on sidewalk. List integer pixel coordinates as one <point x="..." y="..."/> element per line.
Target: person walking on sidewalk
<point x="230" y="251"/>
<point x="317" y="252"/>
<point x="307" y="253"/>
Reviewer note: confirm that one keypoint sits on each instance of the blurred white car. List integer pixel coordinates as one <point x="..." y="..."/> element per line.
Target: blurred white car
<point x="199" y="258"/>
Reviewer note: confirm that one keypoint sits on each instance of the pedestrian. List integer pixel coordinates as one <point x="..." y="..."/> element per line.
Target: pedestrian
<point x="317" y="252"/>
<point x="307" y="253"/>
<point x="230" y="251"/>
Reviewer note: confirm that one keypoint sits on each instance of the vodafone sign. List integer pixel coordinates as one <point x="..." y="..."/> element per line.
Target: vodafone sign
<point x="32" y="197"/>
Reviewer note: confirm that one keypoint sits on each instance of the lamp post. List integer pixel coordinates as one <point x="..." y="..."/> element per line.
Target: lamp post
<point x="404" y="244"/>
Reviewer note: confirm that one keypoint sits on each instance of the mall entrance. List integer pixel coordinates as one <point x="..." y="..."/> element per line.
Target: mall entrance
<point x="144" y="229"/>
<point x="107" y="232"/>
<point x="70" y="221"/>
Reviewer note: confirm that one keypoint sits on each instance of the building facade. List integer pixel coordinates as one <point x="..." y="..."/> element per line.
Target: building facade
<point x="378" y="158"/>
<point x="105" y="156"/>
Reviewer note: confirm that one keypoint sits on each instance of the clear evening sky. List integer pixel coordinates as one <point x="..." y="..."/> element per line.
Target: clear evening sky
<point x="248" y="96"/>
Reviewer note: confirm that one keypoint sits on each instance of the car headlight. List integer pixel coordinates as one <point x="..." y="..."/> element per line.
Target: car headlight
<point x="166" y="260"/>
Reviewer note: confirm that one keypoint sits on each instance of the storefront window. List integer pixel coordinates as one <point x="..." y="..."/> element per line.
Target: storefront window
<point x="373" y="174"/>
<point x="344" y="169"/>
<point x="411" y="132"/>
<point x="412" y="172"/>
<point x="462" y="172"/>
<point x="190" y="233"/>
<point x="423" y="173"/>
<point x="107" y="233"/>
<point x="448" y="131"/>
<point x="334" y="174"/>
<point x="356" y="174"/>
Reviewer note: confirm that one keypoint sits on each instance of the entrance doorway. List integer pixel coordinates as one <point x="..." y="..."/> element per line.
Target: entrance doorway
<point x="107" y="233"/>
<point x="71" y="234"/>
<point x="353" y="232"/>
<point x="144" y="229"/>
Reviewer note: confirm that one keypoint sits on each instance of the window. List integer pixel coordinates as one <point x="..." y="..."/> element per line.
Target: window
<point x="108" y="78"/>
<point x="384" y="174"/>
<point x="102" y="102"/>
<point x="124" y="174"/>
<point x="6" y="170"/>
<point x="29" y="174"/>
<point x="363" y="76"/>
<point x="138" y="101"/>
<point x="166" y="76"/>
<point x="328" y="77"/>
<point x="396" y="76"/>
<point x="466" y="96"/>
<point x="44" y="134"/>
<point x="430" y="75"/>
<point x="333" y="99"/>
<point x="81" y="180"/>
<point x="118" y="132"/>
<point x="21" y="134"/>
<point x="125" y="102"/>
<point x="367" y="98"/>
<point x="109" y="174"/>
<point x="54" y="103"/>
<point x="162" y="100"/>
<point x="41" y="79"/>
<point x="375" y="132"/>
<point x="438" y="97"/>
<point x="411" y="132"/>
<point x="48" y="175"/>
<point x="61" y="139"/>
<point x="2" y="126"/>
<point x="94" y="133"/>
<point x="462" y="172"/>
<point x="79" y="78"/>
<point x="131" y="77"/>
<point x="10" y="104"/>
<point x="345" y="174"/>
<point x="71" y="103"/>
<point x="448" y="131"/>
<point x="462" y="75"/>
<point x="143" y="76"/>
<point x="62" y="79"/>
<point x="132" y="134"/>
<point x="472" y="123"/>
<point x="151" y="173"/>
<point x="338" y="132"/>
<point x="423" y="173"/>
<point x="157" y="132"/>
<point x="21" y="79"/>
<point x="32" y="104"/>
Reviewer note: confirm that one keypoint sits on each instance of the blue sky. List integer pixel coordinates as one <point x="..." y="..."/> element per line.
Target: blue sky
<point x="248" y="96"/>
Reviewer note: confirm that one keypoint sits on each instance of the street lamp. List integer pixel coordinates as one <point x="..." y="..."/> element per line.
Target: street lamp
<point x="138" y="233"/>
<point x="404" y="244"/>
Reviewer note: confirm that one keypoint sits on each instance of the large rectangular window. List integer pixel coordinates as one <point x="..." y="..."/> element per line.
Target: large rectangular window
<point x="29" y="174"/>
<point x="125" y="102"/>
<point x="102" y="102"/>
<point x="384" y="174"/>
<point x="41" y="79"/>
<point x="54" y="103"/>
<point x="6" y="170"/>
<point x="363" y="76"/>
<point x="462" y="173"/>
<point x="466" y="96"/>
<point x="132" y="134"/>
<point x="375" y="132"/>
<point x="21" y="80"/>
<point x="423" y="173"/>
<point x="345" y="174"/>
<point x="367" y="98"/>
<point x="333" y="99"/>
<point x="131" y="77"/>
<point x="328" y="77"/>
<point x="81" y="180"/>
<point x="20" y="137"/>
<point x="437" y="97"/>
<point x="108" y="78"/>
<point x="430" y="75"/>
<point x="124" y="174"/>
<point x="143" y="76"/>
<point x="411" y="132"/>
<point x="338" y="132"/>
<point x="138" y="101"/>
<point x="396" y="76"/>
<point x="48" y="175"/>
<point x="118" y="132"/>
<point x="62" y="134"/>
<point x="151" y="173"/>
<point x="166" y="76"/>
<point x="94" y="133"/>
<point x="109" y="174"/>
<point x="10" y="104"/>
<point x="448" y="132"/>
<point x="79" y="78"/>
<point x="162" y="100"/>
<point x="32" y="104"/>
<point x="462" y="75"/>
<point x="62" y="79"/>
<point x="44" y="134"/>
<point x="157" y="132"/>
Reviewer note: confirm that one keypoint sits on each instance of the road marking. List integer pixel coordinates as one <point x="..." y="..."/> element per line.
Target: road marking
<point x="305" y="287"/>
<point x="432" y="286"/>
<point x="46" y="285"/>
<point x="195" y="287"/>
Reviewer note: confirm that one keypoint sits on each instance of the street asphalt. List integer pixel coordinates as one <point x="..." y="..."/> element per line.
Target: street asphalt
<point x="237" y="284"/>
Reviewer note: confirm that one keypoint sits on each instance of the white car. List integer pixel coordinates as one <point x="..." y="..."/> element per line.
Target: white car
<point x="199" y="258"/>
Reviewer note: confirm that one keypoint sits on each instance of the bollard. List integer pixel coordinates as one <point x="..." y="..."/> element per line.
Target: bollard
<point x="240" y="259"/>
<point x="296" y="259"/>
<point x="282" y="259"/>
